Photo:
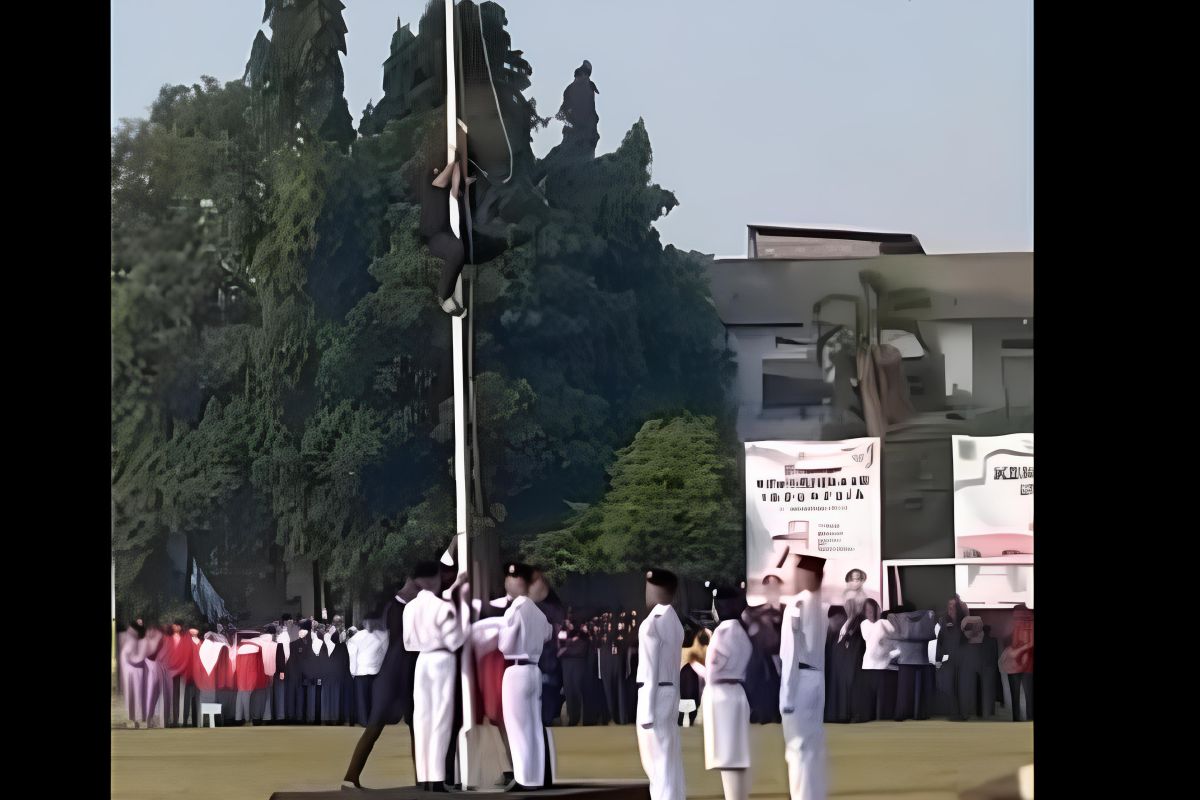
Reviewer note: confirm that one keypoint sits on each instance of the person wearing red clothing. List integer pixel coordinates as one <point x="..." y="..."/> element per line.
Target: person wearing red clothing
<point x="250" y="679"/>
<point x="211" y="671"/>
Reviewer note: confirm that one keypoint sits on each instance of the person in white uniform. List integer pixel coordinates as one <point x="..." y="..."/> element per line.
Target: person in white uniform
<point x="660" y="640"/>
<point x="522" y="635"/>
<point x="802" y="688"/>
<point x="432" y="628"/>
<point x="726" y="707"/>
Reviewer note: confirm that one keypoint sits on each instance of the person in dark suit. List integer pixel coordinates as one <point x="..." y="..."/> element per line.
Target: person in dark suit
<point x="392" y="691"/>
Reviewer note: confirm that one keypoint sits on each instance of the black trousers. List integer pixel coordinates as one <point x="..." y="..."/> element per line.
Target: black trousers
<point x="574" y="671"/>
<point x="875" y="695"/>
<point x="1021" y="682"/>
<point x="552" y="698"/>
<point x="946" y="689"/>
<point x="298" y="698"/>
<point x="362" y="697"/>
<point x="914" y="691"/>
<point x="191" y="705"/>
<point x="595" y="706"/>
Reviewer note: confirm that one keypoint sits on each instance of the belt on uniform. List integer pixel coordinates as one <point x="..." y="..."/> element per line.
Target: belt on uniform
<point x="518" y="662"/>
<point x="728" y="680"/>
<point x="802" y="665"/>
<point x="664" y="683"/>
<point x="438" y="650"/>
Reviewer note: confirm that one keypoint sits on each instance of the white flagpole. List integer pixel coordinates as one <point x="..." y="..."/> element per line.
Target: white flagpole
<point x="461" y="485"/>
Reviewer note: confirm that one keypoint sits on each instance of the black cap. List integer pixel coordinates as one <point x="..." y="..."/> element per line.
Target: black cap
<point x="306" y="624"/>
<point x="515" y="569"/>
<point x="427" y="569"/>
<point x="662" y="577"/>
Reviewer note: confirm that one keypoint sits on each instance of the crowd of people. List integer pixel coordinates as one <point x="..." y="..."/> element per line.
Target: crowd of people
<point x="896" y="666"/>
<point x="801" y="662"/>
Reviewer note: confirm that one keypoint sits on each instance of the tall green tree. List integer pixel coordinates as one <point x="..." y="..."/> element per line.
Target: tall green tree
<point x="667" y="505"/>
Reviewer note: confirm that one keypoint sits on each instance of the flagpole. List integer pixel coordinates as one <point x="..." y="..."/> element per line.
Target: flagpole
<point x="461" y="472"/>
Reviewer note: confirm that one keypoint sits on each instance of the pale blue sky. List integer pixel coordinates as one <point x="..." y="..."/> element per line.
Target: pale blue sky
<point x="905" y="115"/>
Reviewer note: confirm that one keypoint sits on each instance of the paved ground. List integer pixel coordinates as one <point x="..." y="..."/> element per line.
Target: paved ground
<point x="930" y="760"/>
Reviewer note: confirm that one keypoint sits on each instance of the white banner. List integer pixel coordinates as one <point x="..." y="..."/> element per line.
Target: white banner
<point x="993" y="518"/>
<point x="813" y="498"/>
<point x="993" y="495"/>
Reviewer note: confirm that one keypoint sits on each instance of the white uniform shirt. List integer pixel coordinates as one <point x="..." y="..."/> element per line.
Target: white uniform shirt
<point x="660" y="638"/>
<point x="880" y="649"/>
<point x="366" y="650"/>
<point x="729" y="652"/>
<point x="524" y="631"/>
<point x="802" y="640"/>
<point x="431" y="623"/>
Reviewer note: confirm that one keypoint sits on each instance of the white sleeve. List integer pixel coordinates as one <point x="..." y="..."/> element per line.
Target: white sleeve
<point x="510" y="630"/>
<point x="411" y="642"/>
<point x="787" y="655"/>
<point x="453" y="634"/>
<point x="650" y="654"/>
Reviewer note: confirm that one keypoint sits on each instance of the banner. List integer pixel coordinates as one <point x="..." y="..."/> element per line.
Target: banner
<point x="813" y="498"/>
<point x="993" y="518"/>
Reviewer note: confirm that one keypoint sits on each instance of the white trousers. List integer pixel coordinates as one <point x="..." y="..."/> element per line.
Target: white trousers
<point x="433" y="713"/>
<point x="521" y="696"/>
<point x="659" y="747"/>
<point x="804" y="739"/>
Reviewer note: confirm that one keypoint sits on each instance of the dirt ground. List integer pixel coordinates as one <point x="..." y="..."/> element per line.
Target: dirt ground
<point x="930" y="760"/>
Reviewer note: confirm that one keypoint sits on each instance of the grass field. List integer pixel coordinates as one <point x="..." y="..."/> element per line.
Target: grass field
<point x="929" y="760"/>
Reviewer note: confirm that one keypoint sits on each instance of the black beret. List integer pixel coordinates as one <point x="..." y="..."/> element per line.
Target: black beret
<point x="427" y="569"/>
<point x="515" y="569"/>
<point x="286" y="618"/>
<point x="664" y="578"/>
<point x="306" y="624"/>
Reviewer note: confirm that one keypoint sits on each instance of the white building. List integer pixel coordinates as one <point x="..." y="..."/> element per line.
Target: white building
<point x="796" y="305"/>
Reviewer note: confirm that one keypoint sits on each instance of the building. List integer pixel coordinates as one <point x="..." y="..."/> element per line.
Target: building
<point x="803" y="301"/>
<point x="796" y="306"/>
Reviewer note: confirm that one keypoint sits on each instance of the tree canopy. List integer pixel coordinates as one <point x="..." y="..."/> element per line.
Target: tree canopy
<point x="281" y="368"/>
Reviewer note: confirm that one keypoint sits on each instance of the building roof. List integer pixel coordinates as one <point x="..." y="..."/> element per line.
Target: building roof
<point x="775" y="291"/>
<point x="810" y="243"/>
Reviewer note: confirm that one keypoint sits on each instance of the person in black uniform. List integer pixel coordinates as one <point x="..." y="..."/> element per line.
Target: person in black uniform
<point x="614" y="656"/>
<point x="837" y="618"/>
<point x="595" y="705"/>
<point x="763" y="625"/>
<point x="573" y="646"/>
<point x="392" y="692"/>
<point x="548" y="602"/>
<point x="843" y="670"/>
<point x="947" y="661"/>
<point x="298" y="669"/>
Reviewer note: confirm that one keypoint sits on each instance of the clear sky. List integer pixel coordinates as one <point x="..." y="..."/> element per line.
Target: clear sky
<point x="902" y="115"/>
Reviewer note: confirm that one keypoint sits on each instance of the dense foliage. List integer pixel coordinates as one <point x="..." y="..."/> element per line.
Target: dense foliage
<point x="281" y="379"/>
